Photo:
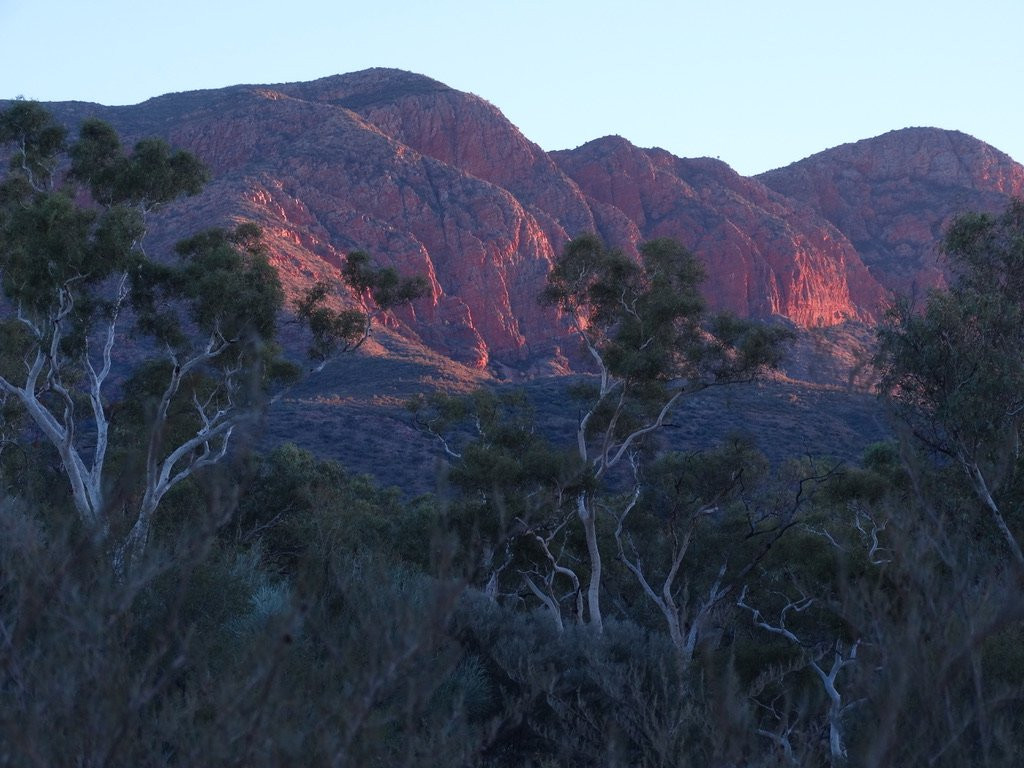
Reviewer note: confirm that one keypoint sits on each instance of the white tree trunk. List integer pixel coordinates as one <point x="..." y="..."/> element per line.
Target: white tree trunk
<point x="588" y="518"/>
<point x="982" y="489"/>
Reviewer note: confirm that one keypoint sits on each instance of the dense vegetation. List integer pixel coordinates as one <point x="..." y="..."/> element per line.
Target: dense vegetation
<point x="597" y="600"/>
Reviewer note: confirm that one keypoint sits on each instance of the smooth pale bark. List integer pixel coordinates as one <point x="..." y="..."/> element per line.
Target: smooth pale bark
<point x="836" y="710"/>
<point x="683" y="630"/>
<point x="981" y="488"/>
<point x="550" y="598"/>
<point x="588" y="517"/>
<point x="85" y="469"/>
<point x="58" y="421"/>
<point x="610" y="451"/>
<point x="549" y="602"/>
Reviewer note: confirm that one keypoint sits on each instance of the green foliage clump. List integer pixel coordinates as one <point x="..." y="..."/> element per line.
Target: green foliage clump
<point x="300" y="508"/>
<point x="955" y="369"/>
<point x="335" y="331"/>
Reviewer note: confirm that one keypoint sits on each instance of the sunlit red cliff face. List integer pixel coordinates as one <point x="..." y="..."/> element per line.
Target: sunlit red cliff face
<point x="437" y="182"/>
<point x="764" y="255"/>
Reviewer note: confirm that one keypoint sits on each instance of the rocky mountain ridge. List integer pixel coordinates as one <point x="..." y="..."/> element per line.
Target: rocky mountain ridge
<point x="893" y="196"/>
<point x="438" y="182"/>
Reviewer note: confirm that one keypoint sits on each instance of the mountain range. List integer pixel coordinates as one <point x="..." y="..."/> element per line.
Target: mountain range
<point x="437" y="182"/>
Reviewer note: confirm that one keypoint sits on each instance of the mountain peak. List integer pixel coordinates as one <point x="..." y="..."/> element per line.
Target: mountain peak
<point x="893" y="196"/>
<point x="923" y="150"/>
<point x="359" y="90"/>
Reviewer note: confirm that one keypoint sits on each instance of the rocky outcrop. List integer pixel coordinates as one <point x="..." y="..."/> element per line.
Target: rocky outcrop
<point x="463" y="131"/>
<point x="893" y="196"/>
<point x="438" y="182"/>
<point x="323" y="181"/>
<point x="764" y="255"/>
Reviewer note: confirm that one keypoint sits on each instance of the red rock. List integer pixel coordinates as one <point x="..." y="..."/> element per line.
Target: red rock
<point x="764" y="255"/>
<point x="437" y="182"/>
<point x="894" y="195"/>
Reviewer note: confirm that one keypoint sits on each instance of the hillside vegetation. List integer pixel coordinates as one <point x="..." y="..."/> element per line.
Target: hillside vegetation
<point x="598" y="570"/>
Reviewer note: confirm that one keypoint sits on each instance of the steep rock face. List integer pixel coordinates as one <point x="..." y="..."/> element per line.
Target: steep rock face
<point x="894" y="195"/>
<point x="764" y="255"/>
<point x="322" y="181"/>
<point x="463" y="131"/>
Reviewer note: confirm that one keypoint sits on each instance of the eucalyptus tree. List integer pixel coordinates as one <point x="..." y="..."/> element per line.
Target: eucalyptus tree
<point x="83" y="302"/>
<point x="955" y="367"/>
<point x="684" y="495"/>
<point x="79" y="287"/>
<point x="337" y="331"/>
<point x="645" y="327"/>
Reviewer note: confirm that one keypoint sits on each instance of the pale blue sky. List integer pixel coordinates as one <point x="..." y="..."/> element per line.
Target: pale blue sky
<point x="758" y="84"/>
